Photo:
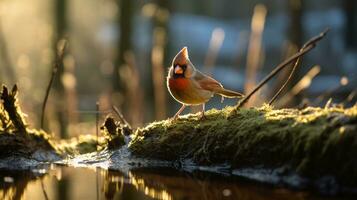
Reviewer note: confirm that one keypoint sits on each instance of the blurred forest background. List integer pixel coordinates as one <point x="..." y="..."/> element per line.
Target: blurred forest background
<point x="119" y="51"/>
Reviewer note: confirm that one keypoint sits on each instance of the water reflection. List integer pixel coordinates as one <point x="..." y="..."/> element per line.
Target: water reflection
<point x="164" y="184"/>
<point x="14" y="183"/>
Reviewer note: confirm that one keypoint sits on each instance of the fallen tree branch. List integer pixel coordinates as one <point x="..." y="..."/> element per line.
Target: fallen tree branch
<point x="306" y="48"/>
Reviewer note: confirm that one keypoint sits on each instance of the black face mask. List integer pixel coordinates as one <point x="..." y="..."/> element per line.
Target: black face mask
<point x="183" y="67"/>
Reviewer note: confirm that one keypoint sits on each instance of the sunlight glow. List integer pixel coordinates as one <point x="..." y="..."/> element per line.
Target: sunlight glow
<point x="139" y="184"/>
<point x="344" y="81"/>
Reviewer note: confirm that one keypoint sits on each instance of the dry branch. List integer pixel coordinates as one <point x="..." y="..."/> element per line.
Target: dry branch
<point x="286" y="82"/>
<point x="306" y="48"/>
<point x="121" y="117"/>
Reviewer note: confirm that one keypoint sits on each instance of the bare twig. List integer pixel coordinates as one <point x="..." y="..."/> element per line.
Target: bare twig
<point x="350" y="97"/>
<point x="97" y="122"/>
<point x="57" y="64"/>
<point x="97" y="183"/>
<point x="121" y="117"/>
<point x="303" y="83"/>
<point x="310" y="42"/>
<point x="306" y="48"/>
<point x="286" y="82"/>
<point x="44" y="190"/>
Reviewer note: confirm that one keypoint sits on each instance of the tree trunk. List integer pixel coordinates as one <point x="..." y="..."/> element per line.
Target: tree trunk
<point x="123" y="45"/>
<point x="350" y="7"/>
<point x="295" y="38"/>
<point x="60" y="28"/>
<point x="7" y="69"/>
<point x="159" y="57"/>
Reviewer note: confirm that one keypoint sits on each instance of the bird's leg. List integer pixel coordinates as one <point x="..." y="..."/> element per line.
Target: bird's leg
<point x="203" y="112"/>
<point x="179" y="111"/>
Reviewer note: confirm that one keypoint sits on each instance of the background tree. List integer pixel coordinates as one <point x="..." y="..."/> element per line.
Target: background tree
<point x="124" y="45"/>
<point x="350" y="7"/>
<point x="159" y="56"/>
<point x="295" y="37"/>
<point x="6" y="68"/>
<point x="60" y="29"/>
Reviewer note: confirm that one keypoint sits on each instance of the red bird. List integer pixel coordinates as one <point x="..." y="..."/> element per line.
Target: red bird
<point x="189" y="86"/>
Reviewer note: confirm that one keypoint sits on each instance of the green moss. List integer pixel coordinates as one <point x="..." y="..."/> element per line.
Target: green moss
<point x="313" y="141"/>
<point x="112" y="137"/>
<point x="81" y="145"/>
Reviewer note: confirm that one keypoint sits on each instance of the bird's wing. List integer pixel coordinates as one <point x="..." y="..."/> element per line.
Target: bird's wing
<point x="207" y="83"/>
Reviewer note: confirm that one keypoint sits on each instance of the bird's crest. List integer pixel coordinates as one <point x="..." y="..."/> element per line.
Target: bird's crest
<point x="182" y="57"/>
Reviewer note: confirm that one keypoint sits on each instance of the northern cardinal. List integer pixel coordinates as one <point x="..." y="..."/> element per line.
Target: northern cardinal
<point x="189" y="86"/>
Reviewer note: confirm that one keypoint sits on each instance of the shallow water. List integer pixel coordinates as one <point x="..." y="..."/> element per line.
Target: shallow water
<point x="119" y="175"/>
<point x="61" y="182"/>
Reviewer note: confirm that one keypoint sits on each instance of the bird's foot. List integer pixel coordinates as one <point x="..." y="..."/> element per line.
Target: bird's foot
<point x="174" y="118"/>
<point x="202" y="117"/>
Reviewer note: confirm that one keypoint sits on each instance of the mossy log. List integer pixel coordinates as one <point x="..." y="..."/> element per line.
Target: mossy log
<point x="313" y="142"/>
<point x="15" y="138"/>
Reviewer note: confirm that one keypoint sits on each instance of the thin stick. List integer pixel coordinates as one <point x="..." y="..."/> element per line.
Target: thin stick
<point x="308" y="46"/>
<point x="44" y="190"/>
<point x="97" y="182"/>
<point x="56" y="66"/>
<point x="121" y="117"/>
<point x="293" y="69"/>
<point x="350" y="97"/>
<point x="97" y="122"/>
<point x="301" y="85"/>
<point x="286" y="82"/>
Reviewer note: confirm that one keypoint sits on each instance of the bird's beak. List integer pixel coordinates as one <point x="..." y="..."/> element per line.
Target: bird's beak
<point x="178" y="70"/>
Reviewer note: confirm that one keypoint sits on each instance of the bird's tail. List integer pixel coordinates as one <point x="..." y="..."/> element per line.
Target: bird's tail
<point x="229" y="93"/>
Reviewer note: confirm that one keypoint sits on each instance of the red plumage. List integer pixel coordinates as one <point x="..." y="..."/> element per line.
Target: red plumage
<point x="191" y="87"/>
